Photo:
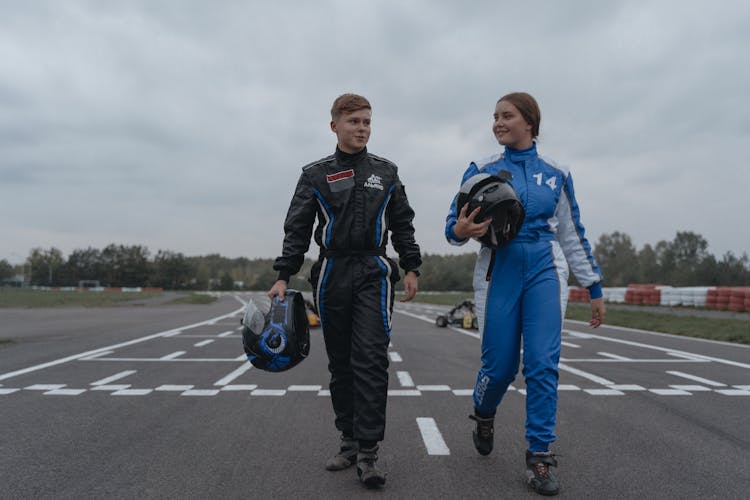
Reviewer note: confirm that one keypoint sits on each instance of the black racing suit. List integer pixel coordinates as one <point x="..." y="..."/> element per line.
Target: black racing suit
<point x="357" y="199"/>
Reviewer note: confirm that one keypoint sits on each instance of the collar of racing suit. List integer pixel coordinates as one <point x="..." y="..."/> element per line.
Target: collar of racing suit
<point x="347" y="158"/>
<point x="520" y="155"/>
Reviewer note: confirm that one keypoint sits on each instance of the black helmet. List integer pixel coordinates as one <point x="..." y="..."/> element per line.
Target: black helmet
<point x="498" y="200"/>
<point x="280" y="339"/>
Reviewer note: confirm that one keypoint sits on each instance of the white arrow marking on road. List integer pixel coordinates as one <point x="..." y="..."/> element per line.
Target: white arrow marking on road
<point x="431" y="436"/>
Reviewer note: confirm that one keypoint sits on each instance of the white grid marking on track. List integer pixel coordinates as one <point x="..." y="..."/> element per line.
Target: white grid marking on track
<point x="116" y="376"/>
<point x="697" y="379"/>
<point x="431" y="436"/>
<point x="405" y="379"/>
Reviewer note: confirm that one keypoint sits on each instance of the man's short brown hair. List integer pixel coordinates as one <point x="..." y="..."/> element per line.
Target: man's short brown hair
<point x="348" y="103"/>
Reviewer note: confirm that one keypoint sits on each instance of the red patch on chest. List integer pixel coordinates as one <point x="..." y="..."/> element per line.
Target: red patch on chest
<point x="340" y="175"/>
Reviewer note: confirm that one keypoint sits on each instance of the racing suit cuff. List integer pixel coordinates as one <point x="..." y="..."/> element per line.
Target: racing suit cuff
<point x="451" y="236"/>
<point x="595" y="290"/>
<point x="284" y="275"/>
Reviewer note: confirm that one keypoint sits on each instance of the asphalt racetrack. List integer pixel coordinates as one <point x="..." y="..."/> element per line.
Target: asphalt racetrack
<point x="159" y="402"/>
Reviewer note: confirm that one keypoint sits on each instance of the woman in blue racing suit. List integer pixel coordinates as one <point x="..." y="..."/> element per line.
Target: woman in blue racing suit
<point x="521" y="287"/>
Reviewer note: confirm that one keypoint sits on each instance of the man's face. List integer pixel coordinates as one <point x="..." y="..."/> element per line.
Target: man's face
<point x="352" y="130"/>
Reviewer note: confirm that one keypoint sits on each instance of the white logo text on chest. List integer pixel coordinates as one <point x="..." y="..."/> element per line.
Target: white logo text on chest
<point x="374" y="181"/>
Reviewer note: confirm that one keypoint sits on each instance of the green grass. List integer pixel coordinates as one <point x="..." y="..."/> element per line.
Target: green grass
<point x="724" y="329"/>
<point x="27" y="298"/>
<point x="194" y="298"/>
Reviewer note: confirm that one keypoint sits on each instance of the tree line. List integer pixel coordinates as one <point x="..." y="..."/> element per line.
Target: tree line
<point x="684" y="261"/>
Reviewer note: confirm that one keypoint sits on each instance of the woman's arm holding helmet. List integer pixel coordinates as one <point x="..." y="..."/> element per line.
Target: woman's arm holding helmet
<point x="460" y="226"/>
<point x="465" y="227"/>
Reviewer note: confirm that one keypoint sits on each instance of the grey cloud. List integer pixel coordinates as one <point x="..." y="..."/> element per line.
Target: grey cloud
<point x="184" y="125"/>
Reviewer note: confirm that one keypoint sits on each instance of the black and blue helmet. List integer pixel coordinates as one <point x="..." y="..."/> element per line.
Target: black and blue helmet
<point x="497" y="199"/>
<point x="280" y="339"/>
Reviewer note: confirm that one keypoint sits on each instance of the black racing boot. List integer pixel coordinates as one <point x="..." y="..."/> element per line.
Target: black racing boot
<point x="484" y="435"/>
<point x="371" y="476"/>
<point x="540" y="478"/>
<point x="347" y="455"/>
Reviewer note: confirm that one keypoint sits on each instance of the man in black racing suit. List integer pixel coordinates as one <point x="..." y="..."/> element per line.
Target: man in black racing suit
<point x="357" y="198"/>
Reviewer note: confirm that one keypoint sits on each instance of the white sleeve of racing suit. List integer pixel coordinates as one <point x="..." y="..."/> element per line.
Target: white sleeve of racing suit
<point x="570" y="235"/>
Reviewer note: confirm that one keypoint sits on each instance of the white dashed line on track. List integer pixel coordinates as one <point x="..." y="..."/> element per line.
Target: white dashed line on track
<point x="405" y="379"/>
<point x="697" y="379"/>
<point x="200" y="392"/>
<point x="431" y="436"/>
<point x="116" y="376"/>
<point x="173" y="355"/>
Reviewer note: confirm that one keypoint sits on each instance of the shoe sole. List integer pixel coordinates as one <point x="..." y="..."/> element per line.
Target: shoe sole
<point x="533" y="487"/>
<point x="372" y="482"/>
<point x="545" y="493"/>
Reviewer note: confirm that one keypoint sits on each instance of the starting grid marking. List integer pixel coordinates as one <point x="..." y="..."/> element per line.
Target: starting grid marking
<point x="408" y="388"/>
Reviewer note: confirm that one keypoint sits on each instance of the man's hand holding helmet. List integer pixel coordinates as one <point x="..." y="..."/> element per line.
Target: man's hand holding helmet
<point x="278" y="290"/>
<point x="466" y="227"/>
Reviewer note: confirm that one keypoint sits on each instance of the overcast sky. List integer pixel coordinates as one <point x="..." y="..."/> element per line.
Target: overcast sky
<point x="183" y="125"/>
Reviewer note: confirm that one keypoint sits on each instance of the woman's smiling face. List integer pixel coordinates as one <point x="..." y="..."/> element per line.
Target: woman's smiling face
<point x="510" y="128"/>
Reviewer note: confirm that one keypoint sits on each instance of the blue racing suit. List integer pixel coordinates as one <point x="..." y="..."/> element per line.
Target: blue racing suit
<point x="521" y="290"/>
